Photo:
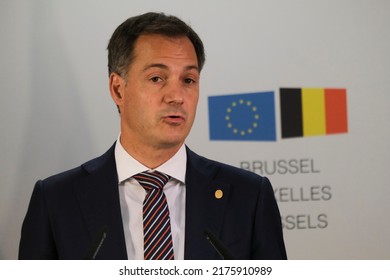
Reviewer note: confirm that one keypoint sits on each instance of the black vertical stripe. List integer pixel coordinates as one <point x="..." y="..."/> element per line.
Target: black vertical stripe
<point x="291" y="112"/>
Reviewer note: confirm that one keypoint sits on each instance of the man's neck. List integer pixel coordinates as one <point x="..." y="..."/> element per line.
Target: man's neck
<point x="151" y="157"/>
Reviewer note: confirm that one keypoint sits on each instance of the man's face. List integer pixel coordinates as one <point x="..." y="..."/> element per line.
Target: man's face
<point x="160" y="96"/>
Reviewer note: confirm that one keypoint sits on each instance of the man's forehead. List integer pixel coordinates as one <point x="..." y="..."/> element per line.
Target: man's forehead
<point x="155" y="51"/>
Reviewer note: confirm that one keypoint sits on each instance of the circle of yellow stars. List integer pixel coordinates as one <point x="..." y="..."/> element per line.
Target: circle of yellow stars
<point x="254" y="123"/>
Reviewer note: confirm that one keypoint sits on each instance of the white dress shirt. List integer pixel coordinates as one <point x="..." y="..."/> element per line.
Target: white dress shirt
<point x="132" y="195"/>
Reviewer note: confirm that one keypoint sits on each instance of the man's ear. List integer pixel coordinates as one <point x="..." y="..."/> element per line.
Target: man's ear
<point x="117" y="88"/>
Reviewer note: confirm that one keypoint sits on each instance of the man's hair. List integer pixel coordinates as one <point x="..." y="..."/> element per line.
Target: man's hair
<point x="121" y="45"/>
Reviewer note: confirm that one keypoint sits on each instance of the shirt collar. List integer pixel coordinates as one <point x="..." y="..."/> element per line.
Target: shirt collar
<point x="127" y="166"/>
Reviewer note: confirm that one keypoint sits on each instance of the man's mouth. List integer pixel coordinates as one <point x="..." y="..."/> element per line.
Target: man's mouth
<point x="174" y="119"/>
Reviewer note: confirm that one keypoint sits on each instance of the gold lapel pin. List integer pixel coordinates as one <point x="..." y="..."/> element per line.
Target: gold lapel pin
<point x="218" y="194"/>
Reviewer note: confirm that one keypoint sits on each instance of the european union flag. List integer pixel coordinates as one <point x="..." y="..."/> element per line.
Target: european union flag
<point x="242" y="117"/>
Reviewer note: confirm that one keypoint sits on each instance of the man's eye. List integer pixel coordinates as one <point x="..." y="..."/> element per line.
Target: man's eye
<point x="189" y="81"/>
<point x="156" y="79"/>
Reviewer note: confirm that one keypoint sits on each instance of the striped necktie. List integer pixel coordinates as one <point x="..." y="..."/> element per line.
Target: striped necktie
<point x="157" y="225"/>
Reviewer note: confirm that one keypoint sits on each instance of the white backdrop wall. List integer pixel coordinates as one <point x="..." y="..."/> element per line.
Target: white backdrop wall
<point x="56" y="112"/>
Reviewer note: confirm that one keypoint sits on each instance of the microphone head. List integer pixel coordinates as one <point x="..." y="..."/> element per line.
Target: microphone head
<point x="97" y="243"/>
<point x="221" y="249"/>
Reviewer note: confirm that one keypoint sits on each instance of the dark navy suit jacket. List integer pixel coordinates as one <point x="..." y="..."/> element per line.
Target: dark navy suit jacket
<point x="67" y="210"/>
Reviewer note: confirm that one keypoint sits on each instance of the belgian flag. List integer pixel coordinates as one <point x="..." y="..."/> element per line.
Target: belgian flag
<point x="313" y="111"/>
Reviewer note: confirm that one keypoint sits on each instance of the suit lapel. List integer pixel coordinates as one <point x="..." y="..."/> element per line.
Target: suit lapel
<point x="98" y="197"/>
<point x="206" y="199"/>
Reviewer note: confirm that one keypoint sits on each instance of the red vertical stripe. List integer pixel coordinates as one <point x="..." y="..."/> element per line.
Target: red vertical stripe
<point x="336" y="111"/>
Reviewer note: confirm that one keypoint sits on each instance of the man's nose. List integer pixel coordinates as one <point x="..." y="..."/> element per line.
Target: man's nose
<point x="174" y="93"/>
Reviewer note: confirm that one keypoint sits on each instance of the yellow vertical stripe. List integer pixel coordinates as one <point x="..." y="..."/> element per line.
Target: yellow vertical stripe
<point x="313" y="110"/>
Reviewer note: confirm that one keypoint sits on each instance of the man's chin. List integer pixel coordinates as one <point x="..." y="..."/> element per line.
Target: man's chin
<point x="172" y="143"/>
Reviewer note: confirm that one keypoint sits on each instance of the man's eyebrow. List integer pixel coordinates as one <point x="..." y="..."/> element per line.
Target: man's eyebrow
<point x="165" y="67"/>
<point x="156" y="65"/>
<point x="191" y="67"/>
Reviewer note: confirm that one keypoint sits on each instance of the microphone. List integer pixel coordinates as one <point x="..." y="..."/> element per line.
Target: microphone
<point x="96" y="244"/>
<point x="221" y="249"/>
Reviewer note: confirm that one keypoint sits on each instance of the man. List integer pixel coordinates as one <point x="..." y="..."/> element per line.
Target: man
<point x="154" y="65"/>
